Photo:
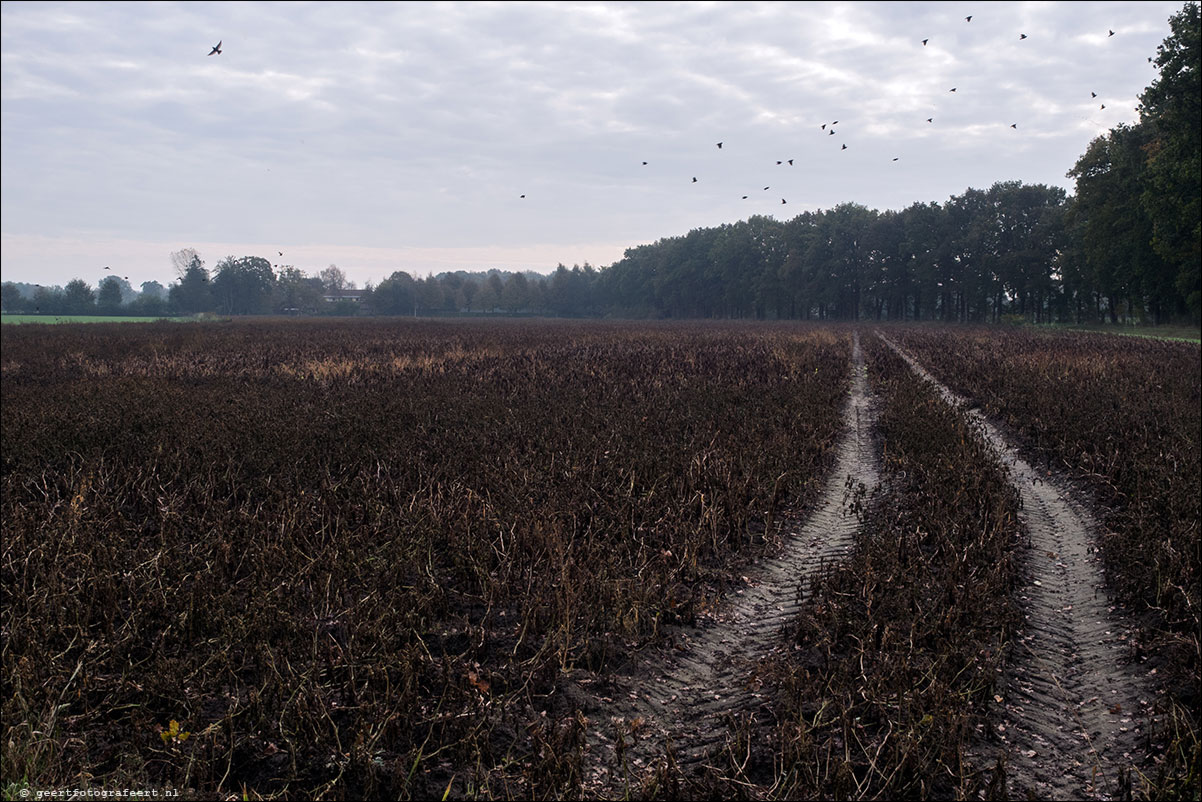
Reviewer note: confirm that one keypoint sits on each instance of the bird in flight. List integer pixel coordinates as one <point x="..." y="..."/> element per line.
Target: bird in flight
<point x="719" y="146"/>
<point x="694" y="179"/>
<point x="953" y="89"/>
<point x="843" y="148"/>
<point x="744" y="197"/>
<point x="1111" y="33"/>
<point x="930" y="119"/>
<point x="1022" y="36"/>
<point x="106" y="267"/>
<point x="521" y="196"/>
<point x="924" y="42"/>
<point x="782" y="200"/>
<point x="968" y="18"/>
<point x="895" y="158"/>
<point x="1093" y="94"/>
<point x="1014" y="126"/>
<point x="216" y="49"/>
<point x="644" y="164"/>
<point x="281" y="253"/>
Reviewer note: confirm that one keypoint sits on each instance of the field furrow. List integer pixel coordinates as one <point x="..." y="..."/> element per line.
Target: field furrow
<point x="685" y="699"/>
<point x="1073" y="708"/>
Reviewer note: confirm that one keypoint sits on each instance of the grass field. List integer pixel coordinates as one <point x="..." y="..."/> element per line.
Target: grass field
<point x="56" y="319"/>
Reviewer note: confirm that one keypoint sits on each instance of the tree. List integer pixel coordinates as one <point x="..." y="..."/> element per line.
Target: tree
<point x="10" y="297"/>
<point x="1118" y="232"/>
<point x="296" y="292"/>
<point x="108" y="300"/>
<point x="333" y="280"/>
<point x="78" y="298"/>
<point x="154" y="289"/>
<point x="183" y="260"/>
<point x="192" y="293"/>
<point x="243" y="286"/>
<point x="1172" y="196"/>
<point x="516" y="293"/>
<point x="395" y="295"/>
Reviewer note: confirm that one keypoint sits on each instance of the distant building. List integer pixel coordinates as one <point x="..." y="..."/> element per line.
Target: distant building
<point x="334" y="296"/>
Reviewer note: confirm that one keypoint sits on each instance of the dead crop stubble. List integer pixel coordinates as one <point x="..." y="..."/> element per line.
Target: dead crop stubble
<point x="357" y="558"/>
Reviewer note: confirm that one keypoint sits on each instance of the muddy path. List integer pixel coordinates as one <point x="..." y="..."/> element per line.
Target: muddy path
<point x="681" y="700"/>
<point x="1074" y="710"/>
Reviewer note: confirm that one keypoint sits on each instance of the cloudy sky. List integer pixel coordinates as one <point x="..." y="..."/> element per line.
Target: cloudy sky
<point x="401" y="136"/>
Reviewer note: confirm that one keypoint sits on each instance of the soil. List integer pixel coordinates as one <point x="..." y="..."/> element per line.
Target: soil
<point x="1073" y="707"/>
<point x="679" y="703"/>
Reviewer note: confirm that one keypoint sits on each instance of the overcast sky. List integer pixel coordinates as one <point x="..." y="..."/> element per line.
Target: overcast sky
<point x="400" y="136"/>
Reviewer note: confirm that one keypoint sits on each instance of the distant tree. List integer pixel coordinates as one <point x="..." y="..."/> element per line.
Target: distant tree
<point x="334" y="280"/>
<point x="78" y="298"/>
<point x="155" y="289"/>
<point x="192" y="294"/>
<point x="49" y="301"/>
<point x="395" y="295"/>
<point x="183" y="260"/>
<point x="10" y="297"/>
<point x="148" y="305"/>
<point x="243" y="286"/>
<point x="295" y="291"/>
<point x="1118" y="232"/>
<point x="516" y="293"/>
<point x="1171" y="108"/>
<point x="108" y="299"/>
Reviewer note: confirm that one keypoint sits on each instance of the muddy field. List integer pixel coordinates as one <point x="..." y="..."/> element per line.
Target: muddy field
<point x="591" y="560"/>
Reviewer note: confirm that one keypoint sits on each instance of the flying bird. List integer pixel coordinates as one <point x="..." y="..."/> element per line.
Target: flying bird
<point x="924" y="42"/>
<point x="216" y="49"/>
<point x="1022" y="36"/>
<point x="824" y="124"/>
<point x="1093" y="94"/>
<point x="843" y="148"/>
<point x="836" y="122"/>
<point x="694" y="179"/>
<point x="767" y="188"/>
<point x="644" y="164"/>
<point x="968" y="18"/>
<point x="832" y="133"/>
<point x="281" y="253"/>
<point x="1111" y="32"/>
<point x="744" y="197"/>
<point x="1014" y="126"/>
<point x="1103" y="105"/>
<point x="790" y="162"/>
<point x="930" y="119"/>
<point x="106" y="267"/>
<point x="953" y="89"/>
<point x="719" y="146"/>
<point x="895" y="158"/>
<point x="521" y="196"/>
<point x="782" y="200"/>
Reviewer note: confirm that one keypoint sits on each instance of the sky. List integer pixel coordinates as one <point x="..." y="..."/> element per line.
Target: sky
<point x="428" y="137"/>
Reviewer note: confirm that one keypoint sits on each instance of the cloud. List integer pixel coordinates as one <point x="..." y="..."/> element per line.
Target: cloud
<point x="411" y="128"/>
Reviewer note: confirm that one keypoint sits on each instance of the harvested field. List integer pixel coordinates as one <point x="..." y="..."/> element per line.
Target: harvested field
<point x="347" y="559"/>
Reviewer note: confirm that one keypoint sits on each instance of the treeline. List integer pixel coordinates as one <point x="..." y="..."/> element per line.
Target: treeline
<point x="1125" y="247"/>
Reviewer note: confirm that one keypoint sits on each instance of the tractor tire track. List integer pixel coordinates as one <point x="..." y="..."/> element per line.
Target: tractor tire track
<point x="686" y="696"/>
<point x="1073" y="710"/>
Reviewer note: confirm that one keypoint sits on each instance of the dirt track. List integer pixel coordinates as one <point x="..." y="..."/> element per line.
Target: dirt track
<point x="1074" y="708"/>
<point x="686" y="695"/>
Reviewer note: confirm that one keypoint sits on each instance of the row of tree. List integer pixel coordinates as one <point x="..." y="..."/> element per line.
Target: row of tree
<point x="1126" y="246"/>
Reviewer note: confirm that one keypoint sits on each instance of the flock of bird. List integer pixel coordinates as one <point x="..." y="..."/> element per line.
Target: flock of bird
<point x="828" y="127"/>
<point x="843" y="146"/>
